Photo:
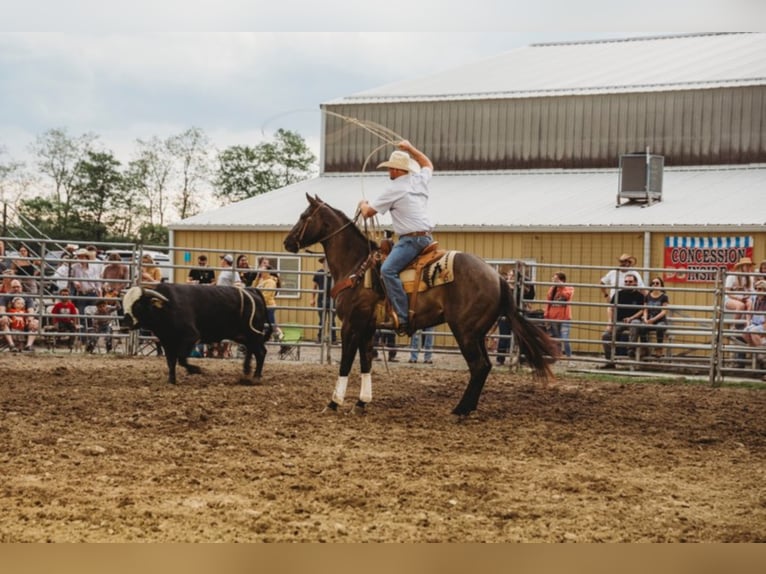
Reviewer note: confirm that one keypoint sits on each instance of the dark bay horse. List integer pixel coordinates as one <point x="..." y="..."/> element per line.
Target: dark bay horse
<point x="470" y="304"/>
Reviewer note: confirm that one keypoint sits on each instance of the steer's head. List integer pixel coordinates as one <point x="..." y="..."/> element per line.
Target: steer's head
<point x="139" y="304"/>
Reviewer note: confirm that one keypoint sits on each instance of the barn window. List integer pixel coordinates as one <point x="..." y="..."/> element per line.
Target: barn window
<point x="289" y="275"/>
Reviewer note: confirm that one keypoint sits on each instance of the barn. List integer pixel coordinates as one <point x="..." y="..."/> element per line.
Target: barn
<point x="556" y="154"/>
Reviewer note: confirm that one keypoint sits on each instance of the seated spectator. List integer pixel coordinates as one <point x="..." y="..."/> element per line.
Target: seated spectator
<point x="738" y="288"/>
<point x="85" y="280"/>
<point x="25" y="267"/>
<point x="18" y="314"/>
<point x="754" y="330"/>
<point x="655" y="315"/>
<point x="65" y="313"/>
<point x="615" y="278"/>
<point x="65" y="318"/>
<point x="622" y="316"/>
<point x="5" y="286"/>
<point x="150" y="273"/>
<point x="101" y="324"/>
<point x="202" y="274"/>
<point x="116" y="275"/>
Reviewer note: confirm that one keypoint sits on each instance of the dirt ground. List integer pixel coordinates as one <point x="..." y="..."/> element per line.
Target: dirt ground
<point x="96" y="448"/>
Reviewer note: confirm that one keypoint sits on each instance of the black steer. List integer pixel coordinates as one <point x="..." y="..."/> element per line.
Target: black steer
<point x="183" y="315"/>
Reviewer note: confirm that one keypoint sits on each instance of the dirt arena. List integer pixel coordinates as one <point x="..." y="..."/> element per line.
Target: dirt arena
<point x="97" y="448"/>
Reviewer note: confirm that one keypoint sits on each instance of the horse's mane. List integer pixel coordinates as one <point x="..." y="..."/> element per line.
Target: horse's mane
<point x="372" y="245"/>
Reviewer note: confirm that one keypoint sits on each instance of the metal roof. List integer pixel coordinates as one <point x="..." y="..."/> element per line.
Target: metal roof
<point x="658" y="63"/>
<point x="722" y="198"/>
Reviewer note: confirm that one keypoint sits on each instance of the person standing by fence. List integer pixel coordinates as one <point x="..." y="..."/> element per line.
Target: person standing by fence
<point x="558" y="312"/>
<point x="321" y="299"/>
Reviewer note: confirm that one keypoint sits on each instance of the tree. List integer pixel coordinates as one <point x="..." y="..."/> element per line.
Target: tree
<point x="97" y="182"/>
<point x="152" y="172"/>
<point x="14" y="180"/>
<point x="57" y="155"/>
<point x="245" y="171"/>
<point x="190" y="149"/>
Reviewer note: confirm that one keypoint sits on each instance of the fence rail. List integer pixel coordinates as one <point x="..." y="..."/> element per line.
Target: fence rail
<point x="700" y="335"/>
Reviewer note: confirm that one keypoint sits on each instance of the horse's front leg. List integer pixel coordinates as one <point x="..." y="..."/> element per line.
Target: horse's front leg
<point x="348" y="353"/>
<point x="365" y="363"/>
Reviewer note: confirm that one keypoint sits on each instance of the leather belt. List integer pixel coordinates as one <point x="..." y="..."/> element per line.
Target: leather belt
<point x="416" y="234"/>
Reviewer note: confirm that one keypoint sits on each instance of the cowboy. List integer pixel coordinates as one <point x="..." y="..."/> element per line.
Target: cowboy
<point x="406" y="198"/>
<point x="616" y="277"/>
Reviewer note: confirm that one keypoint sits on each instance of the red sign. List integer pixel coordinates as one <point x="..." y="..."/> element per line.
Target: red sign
<point x="696" y="259"/>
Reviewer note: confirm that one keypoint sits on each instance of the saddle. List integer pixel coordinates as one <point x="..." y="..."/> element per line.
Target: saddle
<point x="432" y="267"/>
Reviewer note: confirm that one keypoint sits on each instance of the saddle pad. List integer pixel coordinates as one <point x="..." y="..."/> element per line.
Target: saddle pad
<point x="437" y="273"/>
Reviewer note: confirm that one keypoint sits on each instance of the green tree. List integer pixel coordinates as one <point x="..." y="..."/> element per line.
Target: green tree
<point x="97" y="182"/>
<point x="245" y="171"/>
<point x="57" y="155"/>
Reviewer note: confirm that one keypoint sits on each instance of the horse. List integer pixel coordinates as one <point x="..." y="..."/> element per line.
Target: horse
<point x="470" y="305"/>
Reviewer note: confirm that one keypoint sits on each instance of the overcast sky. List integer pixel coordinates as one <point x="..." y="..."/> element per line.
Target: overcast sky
<point x="117" y="71"/>
<point x="237" y="87"/>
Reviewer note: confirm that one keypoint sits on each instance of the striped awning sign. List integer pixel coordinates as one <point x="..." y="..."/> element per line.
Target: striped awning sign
<point x="697" y="259"/>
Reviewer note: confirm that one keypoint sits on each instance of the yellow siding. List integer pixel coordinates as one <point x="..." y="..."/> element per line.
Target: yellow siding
<point x="550" y="249"/>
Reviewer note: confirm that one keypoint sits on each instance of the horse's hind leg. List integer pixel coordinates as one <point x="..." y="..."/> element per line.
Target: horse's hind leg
<point x="475" y="353"/>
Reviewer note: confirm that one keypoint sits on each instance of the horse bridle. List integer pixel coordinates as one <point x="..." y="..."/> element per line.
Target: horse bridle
<point x="321" y="204"/>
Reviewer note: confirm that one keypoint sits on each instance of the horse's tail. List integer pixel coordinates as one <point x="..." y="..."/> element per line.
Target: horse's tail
<point x="534" y="342"/>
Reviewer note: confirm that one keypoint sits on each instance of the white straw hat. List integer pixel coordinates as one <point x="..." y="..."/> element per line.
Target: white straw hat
<point x="401" y="160"/>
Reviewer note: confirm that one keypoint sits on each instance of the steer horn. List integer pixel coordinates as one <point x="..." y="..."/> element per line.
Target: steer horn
<point x="156" y="295"/>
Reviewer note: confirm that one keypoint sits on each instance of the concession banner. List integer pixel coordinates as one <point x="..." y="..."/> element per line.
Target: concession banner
<point x="695" y="259"/>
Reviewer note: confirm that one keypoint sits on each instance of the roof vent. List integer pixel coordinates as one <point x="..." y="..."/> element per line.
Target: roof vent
<point x="640" y="178"/>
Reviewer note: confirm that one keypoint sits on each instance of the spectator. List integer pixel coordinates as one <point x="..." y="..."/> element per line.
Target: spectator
<point x="321" y="299"/>
<point x="202" y="274"/>
<point x="65" y="318"/>
<point x="738" y="288"/>
<point x="228" y="276"/>
<point x="101" y="324"/>
<point x="655" y="315"/>
<point x="522" y="296"/>
<point x="3" y="265"/>
<point x="85" y="280"/>
<point x="558" y="311"/>
<point x="615" y="278"/>
<point x="424" y="340"/>
<point x="116" y="275"/>
<point x="623" y="316"/>
<point x="150" y="274"/>
<point x="246" y="275"/>
<point x="754" y="330"/>
<point x="268" y="284"/>
<point x="18" y="316"/>
<point x="5" y="286"/>
<point x="761" y="271"/>
<point x="26" y="270"/>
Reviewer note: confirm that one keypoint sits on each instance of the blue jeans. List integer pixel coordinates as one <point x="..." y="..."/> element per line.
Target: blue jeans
<point x="427" y="336"/>
<point x="560" y="331"/>
<point x="405" y="250"/>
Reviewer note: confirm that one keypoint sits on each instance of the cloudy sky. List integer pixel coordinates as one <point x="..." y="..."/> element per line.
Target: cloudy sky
<point x="117" y="69"/>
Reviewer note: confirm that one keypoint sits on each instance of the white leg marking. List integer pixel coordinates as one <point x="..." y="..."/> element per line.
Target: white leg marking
<point x="365" y="393"/>
<point x="339" y="395"/>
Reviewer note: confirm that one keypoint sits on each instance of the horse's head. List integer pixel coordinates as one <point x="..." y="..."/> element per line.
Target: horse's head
<point x="311" y="227"/>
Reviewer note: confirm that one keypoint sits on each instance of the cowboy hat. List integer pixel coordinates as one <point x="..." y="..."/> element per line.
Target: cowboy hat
<point x="401" y="160"/>
<point x="82" y="253"/>
<point x="627" y="257"/>
<point x="743" y="261"/>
